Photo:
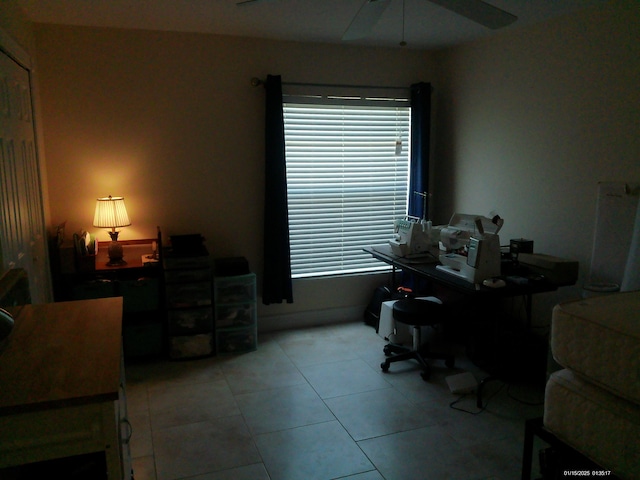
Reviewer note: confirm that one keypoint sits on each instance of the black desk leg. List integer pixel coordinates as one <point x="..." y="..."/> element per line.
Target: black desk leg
<point x="527" y="454"/>
<point x="528" y="302"/>
<point x="528" y="308"/>
<point x="481" y="385"/>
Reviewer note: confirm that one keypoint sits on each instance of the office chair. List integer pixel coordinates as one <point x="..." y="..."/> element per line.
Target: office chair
<point x="417" y="313"/>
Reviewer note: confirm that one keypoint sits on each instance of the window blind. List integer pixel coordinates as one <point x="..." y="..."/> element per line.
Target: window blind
<point x="347" y="178"/>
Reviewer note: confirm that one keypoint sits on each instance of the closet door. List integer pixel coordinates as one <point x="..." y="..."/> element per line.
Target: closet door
<point x="23" y="240"/>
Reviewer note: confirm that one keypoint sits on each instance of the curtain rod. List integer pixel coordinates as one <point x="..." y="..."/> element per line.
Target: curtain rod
<point x="256" y="82"/>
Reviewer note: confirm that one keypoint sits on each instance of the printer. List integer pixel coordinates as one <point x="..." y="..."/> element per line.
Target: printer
<point x="472" y="247"/>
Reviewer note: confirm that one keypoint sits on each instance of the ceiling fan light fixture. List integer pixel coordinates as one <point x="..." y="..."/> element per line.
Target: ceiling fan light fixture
<point x="250" y="2"/>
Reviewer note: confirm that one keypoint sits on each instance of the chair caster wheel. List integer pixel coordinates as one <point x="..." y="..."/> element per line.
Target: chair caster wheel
<point x="384" y="366"/>
<point x="387" y="350"/>
<point x="425" y="376"/>
<point x="450" y="362"/>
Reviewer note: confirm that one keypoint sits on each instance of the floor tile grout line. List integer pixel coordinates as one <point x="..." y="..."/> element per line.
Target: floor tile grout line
<point x="298" y="368"/>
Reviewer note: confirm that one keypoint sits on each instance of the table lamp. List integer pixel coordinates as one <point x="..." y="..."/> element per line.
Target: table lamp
<point x="111" y="213"/>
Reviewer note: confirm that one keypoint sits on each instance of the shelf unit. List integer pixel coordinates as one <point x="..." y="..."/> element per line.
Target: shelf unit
<point x="235" y="313"/>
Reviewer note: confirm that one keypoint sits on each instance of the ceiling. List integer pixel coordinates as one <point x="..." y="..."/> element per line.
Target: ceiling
<point x="426" y="25"/>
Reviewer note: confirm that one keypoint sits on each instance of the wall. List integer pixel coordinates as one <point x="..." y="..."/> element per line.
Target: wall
<point x="16" y="25"/>
<point x="529" y="122"/>
<point x="171" y="122"/>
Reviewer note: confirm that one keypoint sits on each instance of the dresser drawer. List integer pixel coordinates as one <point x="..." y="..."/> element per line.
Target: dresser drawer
<point x="236" y="340"/>
<point x="183" y="295"/>
<point x="59" y="432"/>
<point x="185" y="263"/>
<point x="187" y="276"/>
<point x="239" y="289"/>
<point x="235" y="315"/>
<point x="190" y="321"/>
<point x="190" y="346"/>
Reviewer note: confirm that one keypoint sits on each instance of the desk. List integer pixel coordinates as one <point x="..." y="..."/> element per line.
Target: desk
<point x="139" y="283"/>
<point x="426" y="268"/>
<point x="63" y="385"/>
<point x="70" y="271"/>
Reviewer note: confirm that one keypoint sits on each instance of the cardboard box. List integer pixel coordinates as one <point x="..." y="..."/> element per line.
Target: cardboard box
<point x="559" y="271"/>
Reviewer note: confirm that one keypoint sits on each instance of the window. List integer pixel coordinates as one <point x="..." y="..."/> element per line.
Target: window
<point x="347" y="177"/>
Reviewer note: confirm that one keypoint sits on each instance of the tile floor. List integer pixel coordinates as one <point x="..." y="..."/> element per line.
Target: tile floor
<point x="314" y="404"/>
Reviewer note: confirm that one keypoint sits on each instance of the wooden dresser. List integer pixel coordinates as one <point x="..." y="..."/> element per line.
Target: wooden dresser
<point x="62" y="389"/>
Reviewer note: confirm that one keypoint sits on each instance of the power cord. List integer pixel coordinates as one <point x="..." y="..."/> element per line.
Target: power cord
<point x="488" y="400"/>
<point x="523" y="402"/>
<point x="486" y="403"/>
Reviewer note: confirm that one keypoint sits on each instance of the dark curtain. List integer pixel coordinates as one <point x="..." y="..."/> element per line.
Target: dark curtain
<point x="277" y="285"/>
<point x="420" y="145"/>
<point x="419" y="167"/>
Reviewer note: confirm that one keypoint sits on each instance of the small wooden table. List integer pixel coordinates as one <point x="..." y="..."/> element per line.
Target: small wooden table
<point x="62" y="385"/>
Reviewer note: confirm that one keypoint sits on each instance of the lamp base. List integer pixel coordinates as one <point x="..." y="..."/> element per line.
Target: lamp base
<point x="115" y="255"/>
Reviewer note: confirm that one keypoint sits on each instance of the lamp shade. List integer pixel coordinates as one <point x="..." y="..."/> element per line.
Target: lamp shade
<point x="111" y="213"/>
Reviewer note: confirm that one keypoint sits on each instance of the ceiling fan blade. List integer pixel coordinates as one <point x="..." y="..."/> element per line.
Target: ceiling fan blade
<point x="479" y="12"/>
<point x="250" y="2"/>
<point x="366" y="18"/>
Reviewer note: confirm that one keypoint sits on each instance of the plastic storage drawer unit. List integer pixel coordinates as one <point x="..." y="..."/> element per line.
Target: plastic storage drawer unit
<point x="235" y="313"/>
<point x="188" y="290"/>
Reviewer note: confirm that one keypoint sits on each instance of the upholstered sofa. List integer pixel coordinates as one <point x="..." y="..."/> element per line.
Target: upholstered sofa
<point x="593" y="403"/>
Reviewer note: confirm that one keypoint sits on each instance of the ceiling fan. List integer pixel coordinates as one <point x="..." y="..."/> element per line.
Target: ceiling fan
<point x="475" y="10"/>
